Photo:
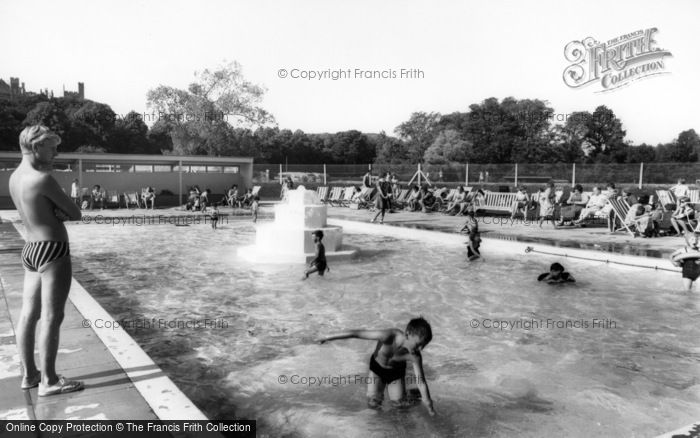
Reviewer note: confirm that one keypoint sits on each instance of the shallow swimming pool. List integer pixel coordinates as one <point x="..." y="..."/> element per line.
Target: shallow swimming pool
<point x="509" y="357"/>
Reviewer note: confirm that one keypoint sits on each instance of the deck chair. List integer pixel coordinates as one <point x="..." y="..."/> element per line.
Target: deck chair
<point x="665" y="198"/>
<point x="694" y="196"/>
<point x="347" y="196"/>
<point x="112" y="198"/>
<point x="132" y="198"/>
<point x="621" y="209"/>
<point x="335" y="196"/>
<point x="322" y="193"/>
<point x="256" y="190"/>
<point x="400" y="200"/>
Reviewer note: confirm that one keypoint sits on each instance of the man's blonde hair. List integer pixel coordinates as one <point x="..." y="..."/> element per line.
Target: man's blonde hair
<point x="36" y="134"/>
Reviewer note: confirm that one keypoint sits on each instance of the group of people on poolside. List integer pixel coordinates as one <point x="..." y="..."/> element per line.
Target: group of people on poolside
<point x="97" y="198"/>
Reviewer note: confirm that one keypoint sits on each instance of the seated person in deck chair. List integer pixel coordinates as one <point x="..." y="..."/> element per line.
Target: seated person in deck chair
<point x="683" y="218"/>
<point x="412" y="201"/>
<point x="426" y="199"/>
<point x="522" y="202"/>
<point x="639" y="220"/>
<point x="454" y="206"/>
<point x="247" y="199"/>
<point x="232" y="196"/>
<point x="595" y="204"/>
<point x="681" y="189"/>
<point x="96" y="197"/>
<point x="149" y="195"/>
<point x="573" y="206"/>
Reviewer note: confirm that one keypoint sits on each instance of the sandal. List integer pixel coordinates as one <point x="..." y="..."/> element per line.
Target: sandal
<point x="63" y="386"/>
<point x="31" y="382"/>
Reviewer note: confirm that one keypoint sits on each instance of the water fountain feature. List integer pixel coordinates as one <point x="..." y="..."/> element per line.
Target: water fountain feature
<point x="288" y="238"/>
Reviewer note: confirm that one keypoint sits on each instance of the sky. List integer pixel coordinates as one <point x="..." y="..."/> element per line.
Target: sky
<point x="465" y="51"/>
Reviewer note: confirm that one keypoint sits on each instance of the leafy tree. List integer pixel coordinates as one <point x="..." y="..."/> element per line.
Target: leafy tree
<point x="605" y="134"/>
<point x="49" y="114"/>
<point x="390" y="150"/>
<point x="418" y="133"/>
<point x="197" y="116"/>
<point x="448" y="148"/>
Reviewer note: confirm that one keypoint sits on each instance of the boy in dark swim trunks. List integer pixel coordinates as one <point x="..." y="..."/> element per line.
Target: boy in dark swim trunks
<point x="43" y="206"/>
<point x="471" y="227"/>
<point x="690" y="265"/>
<point x="318" y="264"/>
<point x="387" y="365"/>
<point x="556" y="274"/>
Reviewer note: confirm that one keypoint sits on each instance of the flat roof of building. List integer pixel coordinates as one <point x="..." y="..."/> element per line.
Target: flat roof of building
<point x="138" y="158"/>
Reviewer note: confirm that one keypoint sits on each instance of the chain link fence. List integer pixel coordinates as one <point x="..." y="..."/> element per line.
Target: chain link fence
<point x="587" y="174"/>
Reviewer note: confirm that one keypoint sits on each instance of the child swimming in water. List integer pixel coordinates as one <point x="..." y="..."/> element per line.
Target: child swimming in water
<point x="474" y="238"/>
<point x="318" y="264"/>
<point x="688" y="258"/>
<point x="387" y="365"/>
<point x="556" y="274"/>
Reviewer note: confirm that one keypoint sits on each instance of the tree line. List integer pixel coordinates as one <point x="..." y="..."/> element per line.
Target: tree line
<point x="220" y="114"/>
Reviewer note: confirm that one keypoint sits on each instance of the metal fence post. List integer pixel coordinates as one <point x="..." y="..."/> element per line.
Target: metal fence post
<point x="466" y="176"/>
<point x="573" y="175"/>
<point x="641" y="173"/>
<point x="516" y="175"/>
<point x="324" y="174"/>
<point x="281" y="173"/>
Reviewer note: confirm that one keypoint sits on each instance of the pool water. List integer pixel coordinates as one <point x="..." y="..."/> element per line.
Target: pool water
<point x="638" y="378"/>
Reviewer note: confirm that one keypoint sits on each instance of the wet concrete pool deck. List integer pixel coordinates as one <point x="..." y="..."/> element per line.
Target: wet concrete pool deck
<point x="114" y="390"/>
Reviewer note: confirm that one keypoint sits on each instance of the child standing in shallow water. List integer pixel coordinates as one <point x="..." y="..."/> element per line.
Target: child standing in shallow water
<point x="254" y="208"/>
<point x="387" y="365"/>
<point x="473" y="236"/>
<point x="318" y="264"/>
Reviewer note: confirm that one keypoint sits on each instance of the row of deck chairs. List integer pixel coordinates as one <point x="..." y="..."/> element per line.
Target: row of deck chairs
<point x="345" y="196"/>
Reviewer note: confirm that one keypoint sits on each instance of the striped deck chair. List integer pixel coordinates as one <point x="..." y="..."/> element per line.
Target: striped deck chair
<point x="132" y="198"/>
<point x="112" y="198"/>
<point x="322" y="193"/>
<point x="621" y="209"/>
<point x="694" y="196"/>
<point x="256" y="190"/>
<point x="335" y="196"/>
<point x="665" y="197"/>
<point x="400" y="200"/>
<point x="347" y="196"/>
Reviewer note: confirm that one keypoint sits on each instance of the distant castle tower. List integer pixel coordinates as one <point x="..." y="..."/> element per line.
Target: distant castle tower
<point x="80" y="94"/>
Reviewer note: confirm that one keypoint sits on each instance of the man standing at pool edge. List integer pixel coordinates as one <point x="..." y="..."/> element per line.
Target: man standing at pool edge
<point x="42" y="206"/>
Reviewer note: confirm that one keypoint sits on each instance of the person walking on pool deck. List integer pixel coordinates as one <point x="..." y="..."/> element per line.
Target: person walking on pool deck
<point x="387" y="365"/>
<point x="42" y="206"/>
<point x="383" y="200"/>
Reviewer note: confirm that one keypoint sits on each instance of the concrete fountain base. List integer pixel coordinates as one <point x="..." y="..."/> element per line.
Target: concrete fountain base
<point x="288" y="238"/>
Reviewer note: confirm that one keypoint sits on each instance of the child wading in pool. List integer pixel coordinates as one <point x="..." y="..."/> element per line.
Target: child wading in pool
<point x="387" y="365"/>
<point x="318" y="264"/>
<point x="43" y="206"/>
<point x="688" y="258"/>
<point x="254" y="208"/>
<point x="473" y="236"/>
<point x="214" y="217"/>
<point x="556" y="274"/>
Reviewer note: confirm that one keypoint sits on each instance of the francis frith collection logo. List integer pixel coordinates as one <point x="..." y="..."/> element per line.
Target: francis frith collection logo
<point x="614" y="63"/>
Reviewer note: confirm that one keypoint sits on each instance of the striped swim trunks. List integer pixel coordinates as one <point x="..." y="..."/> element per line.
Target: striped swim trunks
<point x="35" y="255"/>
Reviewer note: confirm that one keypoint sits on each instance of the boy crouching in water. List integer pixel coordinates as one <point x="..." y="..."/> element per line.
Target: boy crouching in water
<point x="43" y="206"/>
<point x="387" y="365"/>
